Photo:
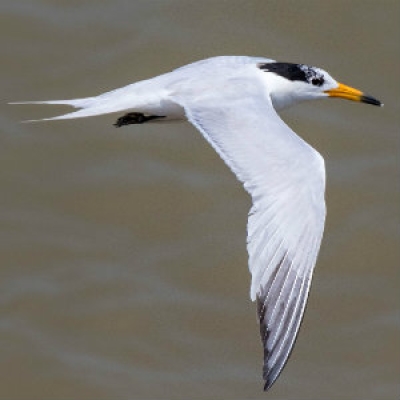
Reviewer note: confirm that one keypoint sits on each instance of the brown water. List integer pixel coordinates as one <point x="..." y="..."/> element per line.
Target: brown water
<point x="123" y="260"/>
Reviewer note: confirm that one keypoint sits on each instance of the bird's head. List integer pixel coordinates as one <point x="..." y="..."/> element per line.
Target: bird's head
<point x="290" y="83"/>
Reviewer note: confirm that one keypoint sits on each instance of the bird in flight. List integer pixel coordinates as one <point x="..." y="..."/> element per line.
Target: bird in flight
<point x="233" y="102"/>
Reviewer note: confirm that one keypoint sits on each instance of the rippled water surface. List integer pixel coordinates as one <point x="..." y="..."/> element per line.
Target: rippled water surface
<point x="123" y="260"/>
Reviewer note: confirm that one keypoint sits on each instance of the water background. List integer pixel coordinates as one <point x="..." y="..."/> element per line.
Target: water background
<point x="123" y="260"/>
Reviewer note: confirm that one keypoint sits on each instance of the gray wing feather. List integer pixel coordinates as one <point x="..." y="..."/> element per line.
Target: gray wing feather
<point x="286" y="180"/>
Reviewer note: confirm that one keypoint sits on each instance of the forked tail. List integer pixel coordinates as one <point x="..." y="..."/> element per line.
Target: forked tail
<point x="88" y="107"/>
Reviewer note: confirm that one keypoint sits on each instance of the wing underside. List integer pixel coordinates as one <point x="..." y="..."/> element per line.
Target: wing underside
<point x="285" y="178"/>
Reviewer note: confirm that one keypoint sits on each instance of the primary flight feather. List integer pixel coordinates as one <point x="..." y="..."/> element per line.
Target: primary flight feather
<point x="232" y="101"/>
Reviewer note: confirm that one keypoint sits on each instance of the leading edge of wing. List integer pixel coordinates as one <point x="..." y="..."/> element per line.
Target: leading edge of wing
<point x="286" y="180"/>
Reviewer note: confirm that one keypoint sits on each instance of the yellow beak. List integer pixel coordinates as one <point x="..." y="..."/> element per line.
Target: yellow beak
<point x="349" y="93"/>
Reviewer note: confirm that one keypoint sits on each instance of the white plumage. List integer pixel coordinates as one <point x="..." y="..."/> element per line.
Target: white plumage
<point x="232" y="102"/>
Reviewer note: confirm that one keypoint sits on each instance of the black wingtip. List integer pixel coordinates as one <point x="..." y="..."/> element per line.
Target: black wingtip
<point x="267" y="385"/>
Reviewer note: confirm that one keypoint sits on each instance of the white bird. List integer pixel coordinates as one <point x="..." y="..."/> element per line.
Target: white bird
<point x="232" y="101"/>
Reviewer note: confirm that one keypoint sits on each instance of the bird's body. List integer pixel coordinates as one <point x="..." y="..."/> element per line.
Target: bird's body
<point x="232" y="101"/>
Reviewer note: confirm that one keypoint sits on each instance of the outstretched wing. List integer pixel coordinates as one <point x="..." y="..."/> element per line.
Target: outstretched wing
<point x="286" y="180"/>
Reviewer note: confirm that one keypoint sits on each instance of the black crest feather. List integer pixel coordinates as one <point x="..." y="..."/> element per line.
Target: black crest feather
<point x="294" y="72"/>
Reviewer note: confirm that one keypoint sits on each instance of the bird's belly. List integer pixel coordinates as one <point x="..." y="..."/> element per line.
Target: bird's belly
<point x="166" y="108"/>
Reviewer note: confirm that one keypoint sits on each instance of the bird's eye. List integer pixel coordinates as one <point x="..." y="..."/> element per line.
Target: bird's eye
<point x="317" y="81"/>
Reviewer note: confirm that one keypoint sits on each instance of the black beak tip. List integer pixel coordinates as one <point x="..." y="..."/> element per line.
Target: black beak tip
<point x="371" y="100"/>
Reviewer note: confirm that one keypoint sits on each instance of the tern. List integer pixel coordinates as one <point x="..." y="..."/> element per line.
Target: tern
<point x="233" y="102"/>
